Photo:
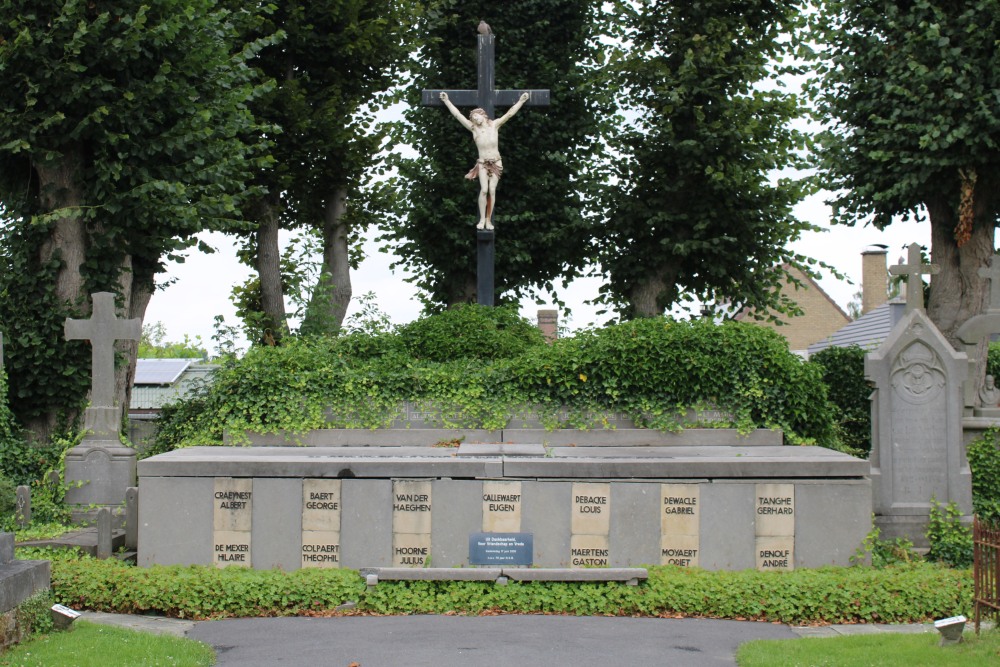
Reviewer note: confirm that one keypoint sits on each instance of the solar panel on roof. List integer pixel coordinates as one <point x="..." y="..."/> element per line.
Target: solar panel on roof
<point x="160" y="371"/>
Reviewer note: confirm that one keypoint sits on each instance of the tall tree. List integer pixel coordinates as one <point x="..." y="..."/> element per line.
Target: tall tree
<point x="120" y="142"/>
<point x="909" y="93"/>
<point x="692" y="210"/>
<point x="542" y="231"/>
<point x="332" y="68"/>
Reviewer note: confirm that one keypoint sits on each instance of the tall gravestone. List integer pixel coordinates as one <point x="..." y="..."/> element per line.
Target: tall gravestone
<point x="981" y="403"/>
<point x="917" y="451"/>
<point x="101" y="468"/>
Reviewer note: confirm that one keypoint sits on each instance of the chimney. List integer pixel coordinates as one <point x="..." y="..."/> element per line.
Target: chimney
<point x="874" y="279"/>
<point x="548" y="321"/>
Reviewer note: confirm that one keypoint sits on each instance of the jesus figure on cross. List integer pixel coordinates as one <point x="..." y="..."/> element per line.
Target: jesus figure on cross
<point x="489" y="165"/>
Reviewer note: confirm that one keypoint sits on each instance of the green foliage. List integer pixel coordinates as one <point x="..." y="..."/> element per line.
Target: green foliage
<point x="543" y="233"/>
<point x="98" y="645"/>
<point x="843" y="371"/>
<point x="897" y="594"/>
<point x="884" y="553"/>
<point x="993" y="360"/>
<point x="332" y="70"/>
<point x="906" y="91"/>
<point x="950" y="539"/>
<point x="984" y="461"/>
<point x="200" y="592"/>
<point x="692" y="209"/>
<point x="470" y="331"/>
<point x="34" y="613"/>
<point x="123" y="137"/>
<point x="892" y="649"/>
<point x="654" y="370"/>
<point x="154" y="345"/>
<point x="8" y="500"/>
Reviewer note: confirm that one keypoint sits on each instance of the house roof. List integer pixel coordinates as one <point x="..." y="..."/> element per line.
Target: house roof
<point x="153" y="387"/>
<point x="868" y="331"/>
<point x="808" y="283"/>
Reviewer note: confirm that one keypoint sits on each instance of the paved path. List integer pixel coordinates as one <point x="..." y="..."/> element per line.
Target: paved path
<point x="459" y="641"/>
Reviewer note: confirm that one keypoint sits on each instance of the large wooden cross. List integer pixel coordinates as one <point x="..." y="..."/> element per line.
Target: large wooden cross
<point x="913" y="270"/>
<point x="102" y="330"/>
<point x="486" y="97"/>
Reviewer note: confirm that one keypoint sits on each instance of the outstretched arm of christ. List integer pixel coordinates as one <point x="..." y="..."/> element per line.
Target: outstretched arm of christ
<point x="513" y="110"/>
<point x="466" y="123"/>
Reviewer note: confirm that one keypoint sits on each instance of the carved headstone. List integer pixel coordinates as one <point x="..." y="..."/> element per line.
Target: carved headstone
<point x="917" y="452"/>
<point x="104" y="466"/>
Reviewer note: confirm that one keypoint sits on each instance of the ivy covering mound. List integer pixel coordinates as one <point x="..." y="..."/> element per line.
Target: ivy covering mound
<point x="898" y="594"/>
<point x="477" y="366"/>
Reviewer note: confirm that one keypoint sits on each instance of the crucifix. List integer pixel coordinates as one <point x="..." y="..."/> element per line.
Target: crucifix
<point x="913" y="269"/>
<point x="102" y="330"/>
<point x="489" y="166"/>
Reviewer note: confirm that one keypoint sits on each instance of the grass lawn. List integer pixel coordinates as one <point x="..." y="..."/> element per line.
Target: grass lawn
<point x="865" y="650"/>
<point x="91" y="645"/>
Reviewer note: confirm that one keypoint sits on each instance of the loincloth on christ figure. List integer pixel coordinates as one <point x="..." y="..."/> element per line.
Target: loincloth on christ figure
<point x="492" y="167"/>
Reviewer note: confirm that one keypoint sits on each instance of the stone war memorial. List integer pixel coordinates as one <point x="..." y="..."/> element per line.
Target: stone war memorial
<point x="505" y="499"/>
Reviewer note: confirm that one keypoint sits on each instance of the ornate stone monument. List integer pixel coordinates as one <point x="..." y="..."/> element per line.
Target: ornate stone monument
<point x="101" y="464"/>
<point x="917" y="451"/>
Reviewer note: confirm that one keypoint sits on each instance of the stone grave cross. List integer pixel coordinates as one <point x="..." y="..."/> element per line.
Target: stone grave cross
<point x="102" y="330"/>
<point x="993" y="275"/>
<point x="486" y="97"/>
<point x="913" y="269"/>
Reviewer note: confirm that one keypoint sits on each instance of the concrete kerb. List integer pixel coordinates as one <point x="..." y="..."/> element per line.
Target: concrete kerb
<point x="629" y="575"/>
<point x="180" y="627"/>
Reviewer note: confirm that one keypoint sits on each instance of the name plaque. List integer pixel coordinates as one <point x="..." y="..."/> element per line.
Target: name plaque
<point x="411" y="523"/>
<point x="501" y="549"/>
<point x="590" y="525"/>
<point x="232" y="520"/>
<point x="501" y="507"/>
<point x="774" y="525"/>
<point x="321" y="523"/>
<point x="680" y="520"/>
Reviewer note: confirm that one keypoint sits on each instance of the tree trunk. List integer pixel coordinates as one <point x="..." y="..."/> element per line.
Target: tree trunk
<point x="66" y="242"/>
<point x="58" y="184"/>
<point x="957" y="290"/>
<point x="137" y="287"/>
<point x="272" y="298"/>
<point x="650" y="294"/>
<point x="332" y="294"/>
<point x="465" y="292"/>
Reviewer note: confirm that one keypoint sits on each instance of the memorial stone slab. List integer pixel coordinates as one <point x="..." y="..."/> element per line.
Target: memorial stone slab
<point x="680" y="524"/>
<point x="917" y="452"/>
<point x="321" y="523"/>
<point x="972" y="333"/>
<point x="232" y="508"/>
<point x="590" y="513"/>
<point x="589" y="551"/>
<point x="590" y="524"/>
<point x="774" y="526"/>
<point x="501" y="507"/>
<point x="411" y="522"/>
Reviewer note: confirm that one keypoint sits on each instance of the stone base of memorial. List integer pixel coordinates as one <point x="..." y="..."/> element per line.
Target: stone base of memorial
<point x="584" y="499"/>
<point x="100" y="468"/>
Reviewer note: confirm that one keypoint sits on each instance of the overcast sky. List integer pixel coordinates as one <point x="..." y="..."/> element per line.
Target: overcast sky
<point x="203" y="283"/>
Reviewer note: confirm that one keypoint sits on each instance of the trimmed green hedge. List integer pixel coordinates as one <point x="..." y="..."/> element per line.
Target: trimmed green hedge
<point x="843" y="371"/>
<point x="897" y="594"/>
<point x="483" y="363"/>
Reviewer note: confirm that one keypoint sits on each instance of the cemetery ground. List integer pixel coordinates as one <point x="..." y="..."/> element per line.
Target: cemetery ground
<point x="738" y="370"/>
